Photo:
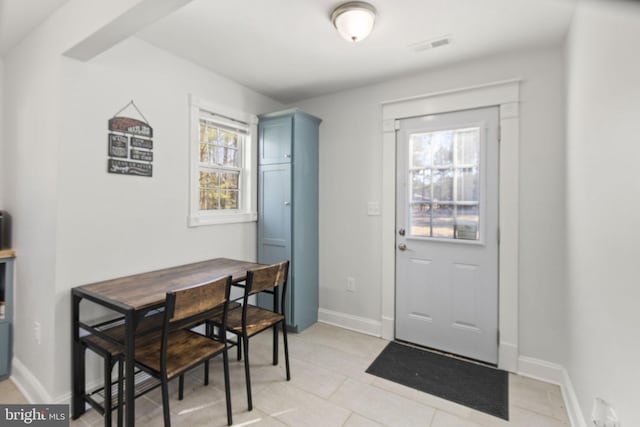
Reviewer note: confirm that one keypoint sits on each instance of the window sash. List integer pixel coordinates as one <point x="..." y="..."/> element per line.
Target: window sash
<point x="216" y="191"/>
<point x="226" y="119"/>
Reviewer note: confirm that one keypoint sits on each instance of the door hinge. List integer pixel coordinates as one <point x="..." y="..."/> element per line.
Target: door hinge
<point x="498" y="235"/>
<point x="498" y="335"/>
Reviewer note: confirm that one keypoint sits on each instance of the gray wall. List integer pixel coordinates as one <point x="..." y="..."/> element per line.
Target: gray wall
<point x="350" y="176"/>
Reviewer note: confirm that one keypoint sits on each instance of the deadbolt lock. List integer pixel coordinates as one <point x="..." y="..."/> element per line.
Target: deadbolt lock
<point x="401" y="232"/>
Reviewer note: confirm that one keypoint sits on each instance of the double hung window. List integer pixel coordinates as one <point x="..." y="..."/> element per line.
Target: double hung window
<point x="222" y="173"/>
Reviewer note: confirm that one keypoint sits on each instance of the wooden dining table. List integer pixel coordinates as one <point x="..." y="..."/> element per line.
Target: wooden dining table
<point x="133" y="297"/>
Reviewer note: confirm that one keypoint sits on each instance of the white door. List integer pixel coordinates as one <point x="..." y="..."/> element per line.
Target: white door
<point x="447" y="232"/>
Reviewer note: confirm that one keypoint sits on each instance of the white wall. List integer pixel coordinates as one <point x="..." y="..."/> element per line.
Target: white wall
<point x="31" y="136"/>
<point x="350" y="176"/>
<point x="113" y="225"/>
<point x="31" y="132"/>
<point x="604" y="192"/>
<point x="73" y="222"/>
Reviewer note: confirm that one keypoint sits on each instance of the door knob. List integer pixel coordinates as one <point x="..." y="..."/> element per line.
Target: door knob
<point x="401" y="232"/>
<point x="402" y="247"/>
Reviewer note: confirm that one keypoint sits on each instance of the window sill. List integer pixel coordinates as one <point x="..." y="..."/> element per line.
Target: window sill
<point x="222" y="218"/>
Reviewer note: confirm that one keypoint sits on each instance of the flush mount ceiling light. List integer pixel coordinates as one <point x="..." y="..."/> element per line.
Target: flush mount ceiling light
<point x="354" y="20"/>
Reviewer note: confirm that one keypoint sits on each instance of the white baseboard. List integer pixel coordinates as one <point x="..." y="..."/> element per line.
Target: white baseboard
<point x="351" y="322"/>
<point x="28" y="384"/>
<point x="556" y="374"/>
<point x="540" y="370"/>
<point x="34" y="391"/>
<point x="571" y="400"/>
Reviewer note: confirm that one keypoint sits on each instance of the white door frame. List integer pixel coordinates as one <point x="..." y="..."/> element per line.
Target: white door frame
<point x="506" y="95"/>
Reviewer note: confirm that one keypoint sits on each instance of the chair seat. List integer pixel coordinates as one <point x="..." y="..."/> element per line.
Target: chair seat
<point x="258" y="320"/>
<point x="233" y="305"/>
<point x="147" y="325"/>
<point x="185" y="349"/>
<point x="101" y="345"/>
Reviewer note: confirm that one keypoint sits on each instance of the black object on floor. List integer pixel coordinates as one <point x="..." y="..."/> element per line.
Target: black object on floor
<point x="470" y="384"/>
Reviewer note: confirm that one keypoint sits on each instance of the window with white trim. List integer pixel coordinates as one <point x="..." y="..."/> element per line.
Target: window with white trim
<point x="222" y="167"/>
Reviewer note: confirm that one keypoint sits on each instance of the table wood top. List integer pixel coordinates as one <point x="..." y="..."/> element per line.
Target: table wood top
<point x="146" y="290"/>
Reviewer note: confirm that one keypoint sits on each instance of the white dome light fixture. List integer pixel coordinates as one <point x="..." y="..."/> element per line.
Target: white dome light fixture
<point x="354" y="20"/>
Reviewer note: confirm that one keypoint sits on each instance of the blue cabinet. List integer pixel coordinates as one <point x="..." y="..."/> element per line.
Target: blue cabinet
<point x="7" y="258"/>
<point x="288" y="208"/>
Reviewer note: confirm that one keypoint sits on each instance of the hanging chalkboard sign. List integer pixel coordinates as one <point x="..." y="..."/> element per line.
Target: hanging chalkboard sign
<point x="125" y="132"/>
<point x="125" y="167"/>
<point x="118" y="145"/>
<point x="145" y="156"/>
<point x="130" y="126"/>
<point x="141" y="143"/>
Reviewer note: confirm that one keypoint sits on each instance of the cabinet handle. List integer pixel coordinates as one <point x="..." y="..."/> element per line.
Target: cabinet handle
<point x="287" y="203"/>
<point x="287" y="156"/>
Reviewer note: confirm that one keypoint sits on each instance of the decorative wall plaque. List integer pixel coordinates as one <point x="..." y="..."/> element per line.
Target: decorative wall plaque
<point x="125" y="132"/>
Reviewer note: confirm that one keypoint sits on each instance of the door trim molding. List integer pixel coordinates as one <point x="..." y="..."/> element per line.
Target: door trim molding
<point x="506" y="95"/>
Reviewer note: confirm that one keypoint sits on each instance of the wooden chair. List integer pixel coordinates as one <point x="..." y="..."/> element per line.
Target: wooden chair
<point x="179" y="348"/>
<point x="250" y="320"/>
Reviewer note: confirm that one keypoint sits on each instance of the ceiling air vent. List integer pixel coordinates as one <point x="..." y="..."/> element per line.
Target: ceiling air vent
<point x="430" y="44"/>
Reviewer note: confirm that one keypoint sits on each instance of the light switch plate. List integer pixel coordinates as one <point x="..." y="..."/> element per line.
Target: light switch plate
<point x="373" y="208"/>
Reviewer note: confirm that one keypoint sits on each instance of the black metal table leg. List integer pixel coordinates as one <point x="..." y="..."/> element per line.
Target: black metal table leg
<point x="129" y="349"/>
<point x="77" y="361"/>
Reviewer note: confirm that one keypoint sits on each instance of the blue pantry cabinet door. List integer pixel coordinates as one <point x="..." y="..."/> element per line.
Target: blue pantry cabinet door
<point x="275" y="141"/>
<point x="274" y="224"/>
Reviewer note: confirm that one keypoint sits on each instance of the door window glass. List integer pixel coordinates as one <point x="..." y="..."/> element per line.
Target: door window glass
<point x="444" y="184"/>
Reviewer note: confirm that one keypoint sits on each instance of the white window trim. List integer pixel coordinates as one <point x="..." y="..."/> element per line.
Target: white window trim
<point x="248" y="185"/>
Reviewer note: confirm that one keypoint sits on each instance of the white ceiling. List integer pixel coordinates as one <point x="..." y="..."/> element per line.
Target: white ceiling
<point x="19" y="17"/>
<point x="289" y="50"/>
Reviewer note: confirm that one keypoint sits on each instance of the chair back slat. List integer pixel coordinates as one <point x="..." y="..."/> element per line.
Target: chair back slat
<point x="194" y="300"/>
<point x="261" y="279"/>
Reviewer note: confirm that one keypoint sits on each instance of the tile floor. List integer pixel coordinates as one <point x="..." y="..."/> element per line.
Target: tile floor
<point x="329" y="388"/>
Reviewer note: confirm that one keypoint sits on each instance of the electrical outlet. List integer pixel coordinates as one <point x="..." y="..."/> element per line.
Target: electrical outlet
<point x="603" y="415"/>
<point x="351" y="284"/>
<point x="37" y="332"/>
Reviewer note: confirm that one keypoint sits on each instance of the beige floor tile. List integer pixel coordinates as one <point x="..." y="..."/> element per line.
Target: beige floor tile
<point x="336" y="361"/>
<point x="90" y="417"/>
<point x="443" y="419"/>
<point x="529" y="394"/>
<point x="356" y="420"/>
<point x="537" y="396"/>
<point x="524" y="418"/>
<point x="382" y="406"/>
<point x="329" y="387"/>
<point x="9" y="393"/>
<point x="424" y="398"/>
<point x="314" y="379"/>
<point x="296" y="407"/>
<point x="558" y="407"/>
<point x="347" y="341"/>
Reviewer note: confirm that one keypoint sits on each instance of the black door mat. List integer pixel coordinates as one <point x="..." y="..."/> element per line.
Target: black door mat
<point x="479" y="387"/>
